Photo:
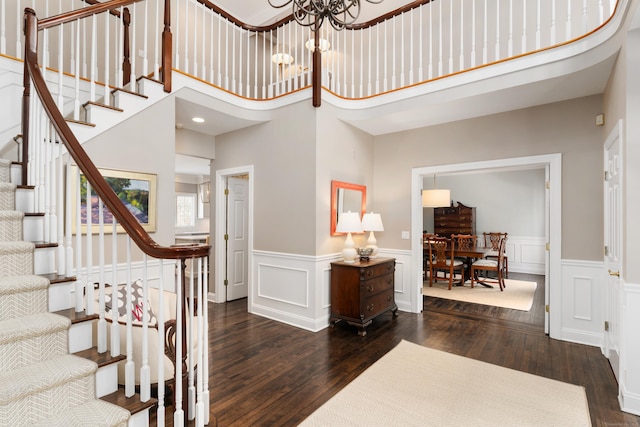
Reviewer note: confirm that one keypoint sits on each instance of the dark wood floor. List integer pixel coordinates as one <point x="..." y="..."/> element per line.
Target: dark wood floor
<point x="265" y="373"/>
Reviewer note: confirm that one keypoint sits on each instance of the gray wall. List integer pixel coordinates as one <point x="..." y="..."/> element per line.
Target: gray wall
<point x="565" y="127"/>
<point x="283" y="153"/>
<point x="510" y="201"/>
<point x="127" y="147"/>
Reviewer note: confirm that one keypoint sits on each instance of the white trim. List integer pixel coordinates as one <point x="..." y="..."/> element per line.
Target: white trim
<point x="219" y="292"/>
<point x="555" y="222"/>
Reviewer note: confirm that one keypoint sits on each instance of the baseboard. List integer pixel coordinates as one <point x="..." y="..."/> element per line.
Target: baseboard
<point x="629" y="402"/>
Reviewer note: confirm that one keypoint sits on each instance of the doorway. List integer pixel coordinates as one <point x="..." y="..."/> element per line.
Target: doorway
<point x="233" y="234"/>
<point x="552" y="163"/>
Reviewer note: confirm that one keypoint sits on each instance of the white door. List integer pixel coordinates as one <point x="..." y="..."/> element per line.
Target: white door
<point x="236" y="278"/>
<point x="613" y="247"/>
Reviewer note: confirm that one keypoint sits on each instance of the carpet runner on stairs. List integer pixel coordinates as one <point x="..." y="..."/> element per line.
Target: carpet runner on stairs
<point x="42" y="384"/>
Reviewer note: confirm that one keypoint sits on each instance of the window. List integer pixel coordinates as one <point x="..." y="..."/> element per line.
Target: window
<point x="185" y="210"/>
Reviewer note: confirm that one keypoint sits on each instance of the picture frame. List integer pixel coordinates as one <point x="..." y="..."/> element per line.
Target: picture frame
<point x="137" y="190"/>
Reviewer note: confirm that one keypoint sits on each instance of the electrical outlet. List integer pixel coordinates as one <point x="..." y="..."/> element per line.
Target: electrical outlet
<point x="405" y="235"/>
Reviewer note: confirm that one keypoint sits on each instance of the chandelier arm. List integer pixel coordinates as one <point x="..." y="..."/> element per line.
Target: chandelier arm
<point x="275" y="6"/>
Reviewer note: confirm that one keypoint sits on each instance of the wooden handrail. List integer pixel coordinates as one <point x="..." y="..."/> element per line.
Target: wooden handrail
<point x="115" y="205"/>
<point x="74" y="15"/>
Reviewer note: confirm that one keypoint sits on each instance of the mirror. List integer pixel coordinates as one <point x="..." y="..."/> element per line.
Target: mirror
<point x="346" y="197"/>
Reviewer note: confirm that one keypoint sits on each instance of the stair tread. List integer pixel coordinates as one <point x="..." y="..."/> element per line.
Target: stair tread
<point x="18" y="328"/>
<point x="95" y="413"/>
<point x="132" y="404"/>
<point x="102" y="359"/>
<point x="129" y="92"/>
<point x="58" y="278"/>
<point x="43" y="375"/>
<point x="76" y="317"/>
<point x="98" y="104"/>
<point x="25" y="283"/>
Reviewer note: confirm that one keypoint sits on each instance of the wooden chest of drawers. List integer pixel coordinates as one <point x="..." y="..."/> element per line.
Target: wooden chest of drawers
<point x="459" y="219"/>
<point x="362" y="291"/>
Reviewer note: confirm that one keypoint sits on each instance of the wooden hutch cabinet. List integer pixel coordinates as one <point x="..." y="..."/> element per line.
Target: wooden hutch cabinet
<point x="362" y="291"/>
<point x="450" y="220"/>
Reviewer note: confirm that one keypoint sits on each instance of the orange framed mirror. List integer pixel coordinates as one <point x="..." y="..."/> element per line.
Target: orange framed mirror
<point x="346" y="197"/>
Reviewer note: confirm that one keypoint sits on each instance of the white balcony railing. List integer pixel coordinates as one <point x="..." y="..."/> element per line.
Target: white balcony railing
<point x="430" y="41"/>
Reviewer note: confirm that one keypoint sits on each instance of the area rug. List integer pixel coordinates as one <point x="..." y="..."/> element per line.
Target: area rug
<point x="517" y="294"/>
<point x="414" y="385"/>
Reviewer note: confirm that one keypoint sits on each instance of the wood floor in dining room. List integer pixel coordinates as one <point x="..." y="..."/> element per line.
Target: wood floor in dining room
<point x="265" y="373"/>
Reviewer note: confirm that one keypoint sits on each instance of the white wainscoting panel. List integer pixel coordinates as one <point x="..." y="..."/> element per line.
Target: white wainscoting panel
<point x="582" y="302"/>
<point x="295" y="289"/>
<point x="526" y="254"/>
<point x="402" y="277"/>
<point x="630" y="349"/>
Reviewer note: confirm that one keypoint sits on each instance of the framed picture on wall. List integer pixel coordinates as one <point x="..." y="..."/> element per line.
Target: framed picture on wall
<point x="136" y="190"/>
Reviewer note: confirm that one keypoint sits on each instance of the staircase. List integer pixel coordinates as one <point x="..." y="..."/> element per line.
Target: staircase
<point x="43" y="384"/>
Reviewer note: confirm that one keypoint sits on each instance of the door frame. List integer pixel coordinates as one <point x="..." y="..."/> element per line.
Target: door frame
<point x="220" y="221"/>
<point x="553" y="288"/>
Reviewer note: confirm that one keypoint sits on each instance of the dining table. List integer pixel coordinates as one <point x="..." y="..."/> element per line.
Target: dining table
<point x="470" y="254"/>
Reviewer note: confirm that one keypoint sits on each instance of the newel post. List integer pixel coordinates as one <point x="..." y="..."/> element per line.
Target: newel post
<point x="317" y="67"/>
<point x="167" y="46"/>
<point x="30" y="45"/>
<point x="126" y="64"/>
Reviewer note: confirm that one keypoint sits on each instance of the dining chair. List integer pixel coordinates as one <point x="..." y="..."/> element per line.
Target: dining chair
<point x="464" y="241"/>
<point x="491" y="241"/>
<point x="441" y="259"/>
<point x="426" y="238"/>
<point x="491" y="265"/>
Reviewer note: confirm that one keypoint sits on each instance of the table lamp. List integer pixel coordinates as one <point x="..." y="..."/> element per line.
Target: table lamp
<point x="349" y="222"/>
<point x="372" y="222"/>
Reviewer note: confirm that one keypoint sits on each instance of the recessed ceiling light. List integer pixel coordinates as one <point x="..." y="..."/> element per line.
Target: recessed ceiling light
<point x="198" y="119"/>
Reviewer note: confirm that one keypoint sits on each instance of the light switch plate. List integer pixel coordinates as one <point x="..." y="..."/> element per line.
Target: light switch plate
<point x="405" y="235"/>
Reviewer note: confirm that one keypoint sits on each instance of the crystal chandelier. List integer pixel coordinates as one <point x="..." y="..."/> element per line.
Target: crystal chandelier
<point x="340" y="13"/>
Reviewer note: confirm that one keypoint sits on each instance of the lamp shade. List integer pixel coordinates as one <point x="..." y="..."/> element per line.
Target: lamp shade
<point x="436" y="198"/>
<point x="372" y="222"/>
<point x="349" y="222"/>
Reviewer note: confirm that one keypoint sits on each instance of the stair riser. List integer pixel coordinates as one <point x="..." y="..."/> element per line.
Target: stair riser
<point x="11" y="228"/>
<point x="23" y="304"/>
<point x="5" y="172"/>
<point x="32" y="350"/>
<point x="7" y="200"/>
<point x="61" y="296"/>
<point x="16" y="174"/>
<point x="16" y="264"/>
<point x="80" y="337"/>
<point x="45" y="260"/>
<point x="25" y="200"/>
<point x="33" y="229"/>
<point x="41" y="404"/>
<point x="107" y="380"/>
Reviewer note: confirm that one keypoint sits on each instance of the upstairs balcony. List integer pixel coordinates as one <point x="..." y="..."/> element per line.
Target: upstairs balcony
<point x="379" y="71"/>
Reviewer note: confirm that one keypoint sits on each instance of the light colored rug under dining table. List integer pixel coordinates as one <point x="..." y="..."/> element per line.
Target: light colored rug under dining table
<point x="414" y="385"/>
<point x="517" y="295"/>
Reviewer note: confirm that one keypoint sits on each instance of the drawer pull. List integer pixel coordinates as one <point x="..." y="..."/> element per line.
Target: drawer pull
<point x="389" y="298"/>
<point x="370" y="307"/>
<point x="389" y="281"/>
<point x="370" y="288"/>
<point x="370" y="272"/>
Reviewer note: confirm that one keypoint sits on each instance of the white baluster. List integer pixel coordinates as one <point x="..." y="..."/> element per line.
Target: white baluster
<point x="462" y="26"/>
<point x="411" y="50"/>
<point x="451" y="40"/>
<point x="78" y="246"/>
<point x="201" y="298"/>
<point x="134" y="47"/>
<point x="178" y="415"/>
<point x="473" y="34"/>
<point x="538" y="28"/>
<point x="203" y="315"/>
<point x="145" y="40"/>
<point x="3" y="28"/>
<point x="102" y="322"/>
<point x="160" y="351"/>
<point x="145" y="370"/>
<point x="94" y="60"/>
<point x="553" y="23"/>
<point x="191" y="388"/>
<point x="186" y="37"/>
<point x="115" y="326"/>
<point x="76" y="106"/>
<point x="156" y="46"/>
<point x="71" y="178"/>
<point x="219" y="51"/>
<point x="107" y="69"/>
<point x="511" y="17"/>
<point x="440" y="71"/>
<point x="19" y="50"/>
<point x="430" y="66"/>
<point x="89" y="292"/>
<point x="196" y="8"/>
<point x="129" y="367"/>
<point x="60" y="212"/>
<point x="353" y="64"/>
<point x="567" y="35"/>
<point x="585" y="17"/>
<point x="497" y="46"/>
<point x="523" y="48"/>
